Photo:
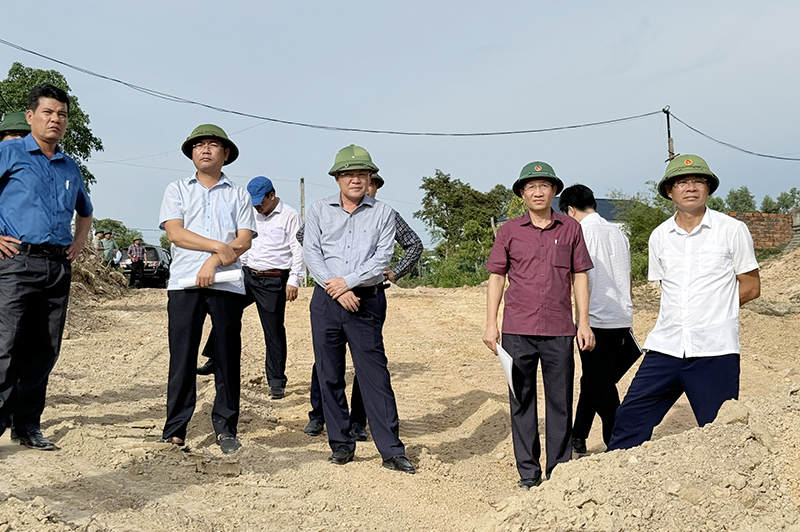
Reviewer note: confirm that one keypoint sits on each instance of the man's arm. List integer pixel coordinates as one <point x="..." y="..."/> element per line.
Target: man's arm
<point x="412" y="249"/>
<point x="749" y="286"/>
<point x="494" y="294"/>
<point x="82" y="226"/>
<point x="182" y="237"/>
<point x="312" y="247"/>
<point x="585" y="336"/>
<point x="205" y="277"/>
<point x="298" y="270"/>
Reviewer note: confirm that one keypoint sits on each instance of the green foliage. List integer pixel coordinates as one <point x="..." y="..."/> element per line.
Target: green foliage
<point x="120" y="233"/>
<point x="164" y="242"/>
<point x="78" y="141"/>
<point x="640" y="214"/>
<point x="787" y="200"/>
<point x="516" y="208"/>
<point x="769" y="205"/>
<point x="716" y="203"/>
<point x="740" y="200"/>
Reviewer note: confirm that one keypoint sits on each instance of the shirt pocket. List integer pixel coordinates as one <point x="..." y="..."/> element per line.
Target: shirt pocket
<point x="563" y="256"/>
<point x="67" y="193"/>
<point x="226" y="216"/>
<point x="713" y="259"/>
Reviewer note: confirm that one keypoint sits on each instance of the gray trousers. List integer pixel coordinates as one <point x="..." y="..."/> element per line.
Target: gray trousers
<point x="34" y="292"/>
<point x="558" y="370"/>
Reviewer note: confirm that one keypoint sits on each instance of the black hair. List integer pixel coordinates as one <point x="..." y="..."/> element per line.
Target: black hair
<point x="46" y="90"/>
<point x="578" y="197"/>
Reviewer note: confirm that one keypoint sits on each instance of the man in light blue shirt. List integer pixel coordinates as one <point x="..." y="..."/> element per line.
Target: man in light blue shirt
<point x="40" y="189"/>
<point x="349" y="240"/>
<point x="210" y="223"/>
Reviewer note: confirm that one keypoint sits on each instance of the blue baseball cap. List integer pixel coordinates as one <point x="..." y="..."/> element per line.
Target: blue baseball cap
<point x="259" y="187"/>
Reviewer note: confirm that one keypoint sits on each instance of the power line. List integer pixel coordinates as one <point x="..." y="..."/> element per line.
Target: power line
<point x="178" y="99"/>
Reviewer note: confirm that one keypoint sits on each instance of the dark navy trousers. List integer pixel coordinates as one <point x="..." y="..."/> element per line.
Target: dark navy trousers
<point x="331" y="328"/>
<point x="659" y="383"/>
<point x="357" y="412"/>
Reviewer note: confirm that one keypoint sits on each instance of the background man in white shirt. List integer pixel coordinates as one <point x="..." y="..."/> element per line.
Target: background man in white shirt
<point x="273" y="269"/>
<point x="707" y="268"/>
<point x="610" y="315"/>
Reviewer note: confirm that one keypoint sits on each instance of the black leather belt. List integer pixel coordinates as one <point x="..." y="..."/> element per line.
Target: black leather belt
<point x="42" y="250"/>
<point x="368" y="291"/>
<point x="269" y="273"/>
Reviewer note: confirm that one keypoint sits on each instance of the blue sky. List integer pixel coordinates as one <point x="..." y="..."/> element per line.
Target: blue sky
<point x="727" y="68"/>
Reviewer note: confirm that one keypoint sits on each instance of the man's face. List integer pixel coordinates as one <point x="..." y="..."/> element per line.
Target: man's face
<point x="209" y="155"/>
<point x="108" y="236"/>
<point x="688" y="192"/>
<point x="8" y="135"/>
<point x="538" y="194"/>
<point x="49" y="121"/>
<point x="353" y="184"/>
<point x="372" y="188"/>
<point x="268" y="204"/>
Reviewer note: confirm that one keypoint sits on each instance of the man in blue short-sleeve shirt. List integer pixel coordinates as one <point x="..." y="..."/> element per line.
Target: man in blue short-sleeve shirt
<point x="40" y="189"/>
<point x="210" y="223"/>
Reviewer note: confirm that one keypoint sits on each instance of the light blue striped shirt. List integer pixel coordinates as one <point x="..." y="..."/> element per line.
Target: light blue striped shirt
<point x="356" y="246"/>
<point x="215" y="213"/>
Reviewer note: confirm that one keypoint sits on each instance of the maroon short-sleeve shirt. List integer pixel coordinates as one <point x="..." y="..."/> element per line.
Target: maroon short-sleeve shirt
<point x="539" y="264"/>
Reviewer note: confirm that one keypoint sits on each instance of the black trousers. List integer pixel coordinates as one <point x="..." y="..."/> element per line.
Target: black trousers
<point x="659" y="383"/>
<point x="558" y="370"/>
<point x="269" y="295"/>
<point x="34" y="292"/>
<point x="187" y="310"/>
<point x="137" y="273"/>
<point x="601" y="368"/>
<point x="357" y="412"/>
<point x="331" y="328"/>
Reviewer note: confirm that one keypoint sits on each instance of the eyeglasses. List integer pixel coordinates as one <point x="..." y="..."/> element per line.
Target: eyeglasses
<point x="538" y="186"/>
<point x="361" y="176"/>
<point x="680" y="185"/>
<point x="213" y="144"/>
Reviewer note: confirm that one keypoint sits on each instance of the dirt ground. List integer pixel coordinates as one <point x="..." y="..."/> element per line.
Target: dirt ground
<point x="106" y="406"/>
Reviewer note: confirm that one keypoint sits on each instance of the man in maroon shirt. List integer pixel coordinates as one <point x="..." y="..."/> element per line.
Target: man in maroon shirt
<point x="542" y="253"/>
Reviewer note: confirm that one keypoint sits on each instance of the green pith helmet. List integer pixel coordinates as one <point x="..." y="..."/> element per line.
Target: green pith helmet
<point x="210" y="131"/>
<point x="14" y="123"/>
<point x="537" y="170"/>
<point x="378" y="180"/>
<point x="687" y="165"/>
<point x="352" y="158"/>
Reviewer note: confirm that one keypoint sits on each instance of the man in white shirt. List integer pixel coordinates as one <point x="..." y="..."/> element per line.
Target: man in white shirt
<point x="707" y="267"/>
<point x="610" y="315"/>
<point x="273" y="269"/>
<point x="210" y="223"/>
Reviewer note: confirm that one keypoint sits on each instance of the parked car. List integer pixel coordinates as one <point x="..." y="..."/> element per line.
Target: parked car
<point x="156" y="267"/>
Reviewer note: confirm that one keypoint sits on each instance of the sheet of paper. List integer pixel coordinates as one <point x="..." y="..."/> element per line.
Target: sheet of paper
<point x="507" y="362"/>
<point x="219" y="277"/>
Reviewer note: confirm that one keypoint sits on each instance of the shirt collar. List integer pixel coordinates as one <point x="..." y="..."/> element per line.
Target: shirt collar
<point x="555" y="218"/>
<point x="336" y="199"/>
<point x="705" y="222"/>
<point x="592" y="219"/>
<point x="31" y="145"/>
<point x="222" y="180"/>
<point x="277" y="210"/>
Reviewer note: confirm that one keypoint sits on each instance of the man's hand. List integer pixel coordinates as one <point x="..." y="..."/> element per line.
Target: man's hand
<point x="227" y="255"/>
<point x="74" y="249"/>
<point x="491" y="338"/>
<point x="349" y="301"/>
<point x="6" y="249"/>
<point x="205" y="277"/>
<point x="389" y="274"/>
<point x="336" y="287"/>
<point x="291" y="292"/>
<point x="585" y="338"/>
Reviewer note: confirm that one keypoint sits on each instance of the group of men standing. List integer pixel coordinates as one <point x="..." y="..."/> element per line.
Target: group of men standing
<point x="232" y="247"/>
<point x="706" y="265"/>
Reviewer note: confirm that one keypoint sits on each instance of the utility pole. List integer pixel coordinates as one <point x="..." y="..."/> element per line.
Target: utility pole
<point x="303" y="215"/>
<point x="670" y="144"/>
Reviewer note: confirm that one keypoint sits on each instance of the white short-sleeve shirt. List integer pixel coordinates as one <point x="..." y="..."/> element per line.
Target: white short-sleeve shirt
<point x="699" y="314"/>
<point x="215" y="213"/>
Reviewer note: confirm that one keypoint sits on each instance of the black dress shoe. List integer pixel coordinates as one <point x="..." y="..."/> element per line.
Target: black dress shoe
<point x="229" y="444"/>
<point x="358" y="432"/>
<point x="528" y="483"/>
<point x="276" y="392"/>
<point x="399" y="463"/>
<point x="314" y="427"/>
<point x="35" y="440"/>
<point x="207" y="368"/>
<point x="341" y="456"/>
<point x="579" y="445"/>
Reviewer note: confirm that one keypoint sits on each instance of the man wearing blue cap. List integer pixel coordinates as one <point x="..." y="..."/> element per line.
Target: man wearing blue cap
<point x="273" y="270"/>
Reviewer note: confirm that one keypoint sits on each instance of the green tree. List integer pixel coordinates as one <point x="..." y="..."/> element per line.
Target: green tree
<point x="79" y="142"/>
<point x="741" y="200"/>
<point x="768" y="204"/>
<point x="164" y="242"/>
<point x="787" y="200"/>
<point x="121" y="234"/>
<point x="640" y="213"/>
<point x="716" y="203"/>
